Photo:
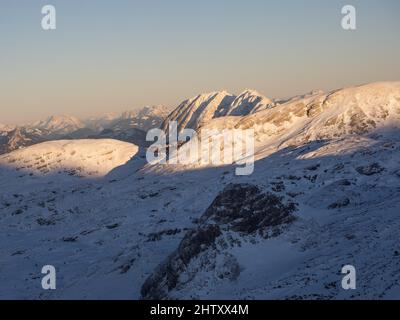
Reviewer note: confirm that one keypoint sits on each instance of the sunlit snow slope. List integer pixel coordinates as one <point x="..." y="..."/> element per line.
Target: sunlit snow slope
<point x="75" y="157"/>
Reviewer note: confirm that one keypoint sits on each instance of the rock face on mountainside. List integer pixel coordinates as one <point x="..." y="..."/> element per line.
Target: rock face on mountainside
<point x="241" y="209"/>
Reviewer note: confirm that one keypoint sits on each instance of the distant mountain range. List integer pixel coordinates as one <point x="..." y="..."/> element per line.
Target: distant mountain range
<point x="130" y="126"/>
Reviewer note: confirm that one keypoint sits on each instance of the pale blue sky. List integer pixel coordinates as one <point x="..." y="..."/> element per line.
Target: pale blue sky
<point x="116" y="55"/>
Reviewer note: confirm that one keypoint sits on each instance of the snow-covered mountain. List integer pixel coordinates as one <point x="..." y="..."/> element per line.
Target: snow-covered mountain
<point x="324" y="194"/>
<point x="58" y="125"/>
<point x="4" y="128"/>
<point x="317" y="117"/>
<point x="82" y="158"/>
<point x="99" y="123"/>
<point x="198" y="111"/>
<point x="20" y="137"/>
<point x="131" y="126"/>
<point x="52" y="128"/>
<point x="144" y="119"/>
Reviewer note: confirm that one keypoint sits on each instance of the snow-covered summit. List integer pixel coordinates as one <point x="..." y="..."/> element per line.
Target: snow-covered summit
<point x="146" y="118"/>
<point x="59" y="124"/>
<point x="249" y="101"/>
<point x="200" y="110"/>
<point x="353" y="111"/>
<point x="6" y="128"/>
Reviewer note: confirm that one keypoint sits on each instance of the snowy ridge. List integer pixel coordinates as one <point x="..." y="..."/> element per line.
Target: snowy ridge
<point x="79" y="157"/>
<point x="335" y="115"/>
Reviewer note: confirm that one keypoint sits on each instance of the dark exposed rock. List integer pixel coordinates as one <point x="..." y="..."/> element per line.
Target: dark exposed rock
<point x="112" y="226"/>
<point x="18" y="253"/>
<point x="69" y="239"/>
<point x="126" y="266"/>
<point x="157" y="236"/>
<point x="340" y="204"/>
<point x="344" y="182"/>
<point x="370" y="170"/>
<point x="293" y="178"/>
<point x="229" y="268"/>
<point x="339" y="167"/>
<point x="246" y="209"/>
<point x="278" y="186"/>
<point x="18" y="212"/>
<point x="313" y="168"/>
<point x="166" y="276"/>
<point x="241" y="208"/>
<point x="45" y="222"/>
<point x="311" y="178"/>
<point x="294" y="194"/>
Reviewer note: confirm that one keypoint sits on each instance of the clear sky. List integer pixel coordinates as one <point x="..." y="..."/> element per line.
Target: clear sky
<point x="122" y="54"/>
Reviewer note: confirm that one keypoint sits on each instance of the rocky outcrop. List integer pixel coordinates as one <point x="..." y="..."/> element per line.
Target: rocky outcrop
<point x="240" y="208"/>
<point x="370" y="170"/>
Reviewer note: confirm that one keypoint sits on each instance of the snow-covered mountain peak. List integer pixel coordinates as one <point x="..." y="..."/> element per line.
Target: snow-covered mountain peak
<point x="251" y="92"/>
<point x="339" y="114"/>
<point x="249" y="101"/>
<point x="195" y="112"/>
<point x="6" y="128"/>
<point x="59" y="124"/>
<point x="198" y="111"/>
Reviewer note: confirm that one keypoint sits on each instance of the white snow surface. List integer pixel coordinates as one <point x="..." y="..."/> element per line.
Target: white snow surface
<point x="200" y="110"/>
<point x="334" y="155"/>
<point x="80" y="157"/>
<point x="59" y="124"/>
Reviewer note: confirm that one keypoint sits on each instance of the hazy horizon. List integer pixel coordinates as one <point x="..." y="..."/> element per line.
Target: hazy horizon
<point x="137" y="108"/>
<point x="109" y="57"/>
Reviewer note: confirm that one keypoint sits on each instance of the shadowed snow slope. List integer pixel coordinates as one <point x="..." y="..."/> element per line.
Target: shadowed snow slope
<point x="324" y="194"/>
<point x="76" y="157"/>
